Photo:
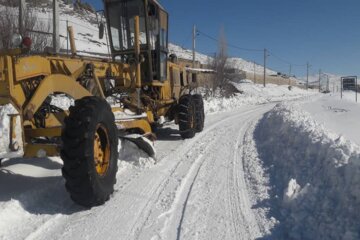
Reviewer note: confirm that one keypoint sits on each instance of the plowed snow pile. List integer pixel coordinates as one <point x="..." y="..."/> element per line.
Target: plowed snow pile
<point x="314" y="174"/>
<point x="254" y="94"/>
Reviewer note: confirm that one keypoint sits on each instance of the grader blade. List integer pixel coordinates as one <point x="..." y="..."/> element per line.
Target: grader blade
<point x="141" y="142"/>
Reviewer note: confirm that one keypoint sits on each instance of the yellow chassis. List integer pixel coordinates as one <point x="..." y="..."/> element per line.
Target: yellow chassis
<point x="60" y="74"/>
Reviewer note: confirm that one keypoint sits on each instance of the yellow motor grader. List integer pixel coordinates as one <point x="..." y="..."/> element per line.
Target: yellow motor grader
<point x="141" y="78"/>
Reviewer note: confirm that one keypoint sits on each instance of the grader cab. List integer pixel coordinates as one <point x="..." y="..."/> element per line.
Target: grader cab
<point x="119" y="98"/>
<point x="153" y="35"/>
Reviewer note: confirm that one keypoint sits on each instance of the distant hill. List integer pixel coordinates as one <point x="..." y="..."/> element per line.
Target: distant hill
<point x="82" y="17"/>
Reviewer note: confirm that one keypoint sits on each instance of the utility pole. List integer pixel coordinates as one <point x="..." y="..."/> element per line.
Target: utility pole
<point x="56" y="36"/>
<point x="67" y="37"/>
<point x="341" y="87"/>
<point x="319" y="80"/>
<point x="194" y="45"/>
<point x="307" y="75"/>
<point x="327" y="84"/>
<point x="290" y="75"/>
<point x="356" y="89"/>
<point x="22" y="10"/>
<point x="254" y="72"/>
<point x="290" y="70"/>
<point x="265" y="57"/>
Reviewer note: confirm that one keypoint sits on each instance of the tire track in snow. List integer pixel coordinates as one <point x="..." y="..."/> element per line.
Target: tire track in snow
<point x="136" y="230"/>
<point x="244" y="224"/>
<point x="184" y="192"/>
<point x="184" y="150"/>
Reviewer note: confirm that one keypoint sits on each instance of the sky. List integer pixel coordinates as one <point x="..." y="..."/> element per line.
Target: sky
<point x="325" y="33"/>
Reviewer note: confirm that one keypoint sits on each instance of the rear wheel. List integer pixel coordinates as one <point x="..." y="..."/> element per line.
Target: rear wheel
<point x="199" y="112"/>
<point x="186" y="115"/>
<point x="90" y="152"/>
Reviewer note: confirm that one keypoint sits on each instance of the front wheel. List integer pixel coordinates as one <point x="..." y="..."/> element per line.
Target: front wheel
<point x="90" y="152"/>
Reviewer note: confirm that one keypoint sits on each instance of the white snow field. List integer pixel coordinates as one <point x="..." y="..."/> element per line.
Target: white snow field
<point x="259" y="170"/>
<point x="336" y="114"/>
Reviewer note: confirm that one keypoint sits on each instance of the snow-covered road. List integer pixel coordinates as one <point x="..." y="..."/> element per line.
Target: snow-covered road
<point x="271" y="170"/>
<point x="196" y="190"/>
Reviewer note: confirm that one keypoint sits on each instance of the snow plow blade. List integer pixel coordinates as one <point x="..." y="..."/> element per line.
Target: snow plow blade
<point x="141" y="142"/>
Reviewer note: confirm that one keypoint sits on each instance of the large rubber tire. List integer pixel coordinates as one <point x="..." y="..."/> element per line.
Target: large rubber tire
<point x="186" y="115"/>
<point x="90" y="130"/>
<point x="199" y="112"/>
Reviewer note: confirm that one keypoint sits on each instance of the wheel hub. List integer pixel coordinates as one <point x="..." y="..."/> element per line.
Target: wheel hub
<point x="101" y="150"/>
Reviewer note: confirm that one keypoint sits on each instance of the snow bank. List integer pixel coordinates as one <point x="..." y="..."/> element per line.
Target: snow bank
<point x="131" y="156"/>
<point x="314" y="174"/>
<point x="254" y="94"/>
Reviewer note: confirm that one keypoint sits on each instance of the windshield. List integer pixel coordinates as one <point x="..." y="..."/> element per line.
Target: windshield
<point x="121" y="19"/>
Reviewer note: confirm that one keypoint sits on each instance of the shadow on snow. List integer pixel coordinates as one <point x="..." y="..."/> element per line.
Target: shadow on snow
<point x="37" y="195"/>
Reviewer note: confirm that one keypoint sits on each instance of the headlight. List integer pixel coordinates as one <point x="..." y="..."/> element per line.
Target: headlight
<point x="16" y="40"/>
<point x="26" y="42"/>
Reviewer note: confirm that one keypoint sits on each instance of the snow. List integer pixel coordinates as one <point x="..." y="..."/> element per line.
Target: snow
<point x="254" y="94"/>
<point x="187" y="54"/>
<point x="278" y="175"/>
<point x="315" y="170"/>
<point x="271" y="163"/>
<point x="200" y="70"/>
<point x="337" y="115"/>
<point x="62" y="101"/>
<point x="237" y="63"/>
<point x="247" y="66"/>
<point x="130" y="154"/>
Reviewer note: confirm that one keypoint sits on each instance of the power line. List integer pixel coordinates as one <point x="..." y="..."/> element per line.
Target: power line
<point x="285" y="61"/>
<point x="253" y="50"/>
<point x="186" y="39"/>
<point x="230" y="45"/>
<point x="81" y="25"/>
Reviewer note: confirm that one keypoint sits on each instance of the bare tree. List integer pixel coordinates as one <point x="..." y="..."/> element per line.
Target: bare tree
<point x="32" y="27"/>
<point x="221" y="77"/>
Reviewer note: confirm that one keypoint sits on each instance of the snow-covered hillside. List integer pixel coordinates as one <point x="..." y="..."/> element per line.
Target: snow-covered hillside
<point x="88" y="42"/>
<point x="247" y="66"/>
<point x="236" y="63"/>
<point x="184" y="53"/>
